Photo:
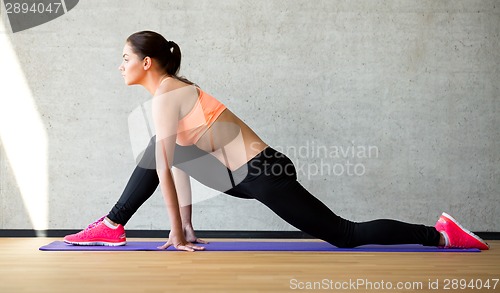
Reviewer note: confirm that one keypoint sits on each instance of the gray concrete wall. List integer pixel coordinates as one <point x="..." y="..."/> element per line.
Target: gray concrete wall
<point x="388" y="108"/>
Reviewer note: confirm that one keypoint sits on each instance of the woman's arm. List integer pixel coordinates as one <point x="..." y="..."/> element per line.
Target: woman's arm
<point x="165" y="116"/>
<point x="184" y="194"/>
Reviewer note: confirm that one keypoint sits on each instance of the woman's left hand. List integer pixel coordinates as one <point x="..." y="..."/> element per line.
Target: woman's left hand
<point x="191" y="236"/>
<point x="178" y="241"/>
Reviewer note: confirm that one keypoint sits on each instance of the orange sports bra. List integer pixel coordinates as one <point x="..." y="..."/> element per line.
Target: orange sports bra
<point x="204" y="113"/>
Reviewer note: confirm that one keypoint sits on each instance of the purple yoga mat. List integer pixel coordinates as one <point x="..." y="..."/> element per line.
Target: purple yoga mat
<point x="256" y="246"/>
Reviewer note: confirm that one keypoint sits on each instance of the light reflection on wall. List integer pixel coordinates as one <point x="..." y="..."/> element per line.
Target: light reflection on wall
<point x="23" y="135"/>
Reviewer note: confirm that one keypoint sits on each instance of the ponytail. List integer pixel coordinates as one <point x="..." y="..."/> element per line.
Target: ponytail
<point x="174" y="64"/>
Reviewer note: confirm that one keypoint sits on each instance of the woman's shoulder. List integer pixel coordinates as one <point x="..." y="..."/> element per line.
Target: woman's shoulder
<point x="178" y="96"/>
<point x="175" y="89"/>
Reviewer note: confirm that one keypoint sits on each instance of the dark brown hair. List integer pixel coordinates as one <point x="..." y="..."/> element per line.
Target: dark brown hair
<point x="153" y="45"/>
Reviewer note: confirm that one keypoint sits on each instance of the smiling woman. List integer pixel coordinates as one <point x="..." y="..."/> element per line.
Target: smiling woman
<point x="188" y="121"/>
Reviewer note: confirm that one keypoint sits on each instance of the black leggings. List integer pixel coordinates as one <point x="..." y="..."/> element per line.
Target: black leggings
<point x="270" y="177"/>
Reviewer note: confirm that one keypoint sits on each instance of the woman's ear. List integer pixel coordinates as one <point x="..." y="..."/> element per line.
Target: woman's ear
<point x="147" y="63"/>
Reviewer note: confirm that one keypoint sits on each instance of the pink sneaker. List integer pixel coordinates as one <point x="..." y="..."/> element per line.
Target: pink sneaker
<point x="98" y="233"/>
<point x="457" y="236"/>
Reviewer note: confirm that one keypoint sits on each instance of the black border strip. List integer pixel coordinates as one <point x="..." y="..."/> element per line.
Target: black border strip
<point x="199" y="233"/>
<point x="164" y="234"/>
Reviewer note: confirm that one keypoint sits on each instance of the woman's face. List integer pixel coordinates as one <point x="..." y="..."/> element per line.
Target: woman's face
<point x="131" y="68"/>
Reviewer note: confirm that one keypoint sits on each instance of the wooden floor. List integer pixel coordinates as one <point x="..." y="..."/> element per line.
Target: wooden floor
<point x="23" y="268"/>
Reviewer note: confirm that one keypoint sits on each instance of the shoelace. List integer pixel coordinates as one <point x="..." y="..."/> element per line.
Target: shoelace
<point x="96" y="222"/>
<point x="93" y="225"/>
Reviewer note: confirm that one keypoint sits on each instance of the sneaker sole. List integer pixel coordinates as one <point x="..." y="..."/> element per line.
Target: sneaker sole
<point x="97" y="243"/>
<point x="465" y="230"/>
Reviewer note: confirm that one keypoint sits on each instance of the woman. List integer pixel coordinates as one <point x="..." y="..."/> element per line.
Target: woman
<point x="210" y="138"/>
